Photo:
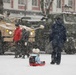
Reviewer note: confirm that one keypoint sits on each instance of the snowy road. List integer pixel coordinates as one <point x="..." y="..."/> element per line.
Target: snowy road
<point x="12" y="66"/>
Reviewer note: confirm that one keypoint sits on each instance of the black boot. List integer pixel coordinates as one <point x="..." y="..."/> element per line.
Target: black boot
<point x="52" y="62"/>
<point x="23" y="56"/>
<point x="20" y="56"/>
<point x="16" y="56"/>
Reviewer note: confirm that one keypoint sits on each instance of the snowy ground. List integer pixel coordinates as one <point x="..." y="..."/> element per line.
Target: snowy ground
<point x="12" y="66"/>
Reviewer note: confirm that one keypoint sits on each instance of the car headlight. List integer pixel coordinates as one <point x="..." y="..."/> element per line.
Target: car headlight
<point x="32" y="32"/>
<point x="10" y="32"/>
<point x="7" y="30"/>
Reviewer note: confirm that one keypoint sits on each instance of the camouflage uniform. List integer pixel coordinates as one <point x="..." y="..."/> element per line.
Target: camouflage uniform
<point x="17" y="49"/>
<point x="24" y="48"/>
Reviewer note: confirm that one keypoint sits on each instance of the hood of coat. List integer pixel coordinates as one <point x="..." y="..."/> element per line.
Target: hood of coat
<point x="59" y="22"/>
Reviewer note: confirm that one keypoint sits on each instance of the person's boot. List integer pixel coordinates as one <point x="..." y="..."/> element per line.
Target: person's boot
<point x="20" y="56"/>
<point x="23" y="56"/>
<point x="52" y="62"/>
<point x="28" y="55"/>
<point x="58" y="63"/>
<point x="16" y="56"/>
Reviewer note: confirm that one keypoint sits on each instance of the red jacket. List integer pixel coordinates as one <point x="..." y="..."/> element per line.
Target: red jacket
<point x="17" y="34"/>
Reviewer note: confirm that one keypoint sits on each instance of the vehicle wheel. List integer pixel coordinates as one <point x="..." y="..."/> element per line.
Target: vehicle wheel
<point x="1" y="44"/>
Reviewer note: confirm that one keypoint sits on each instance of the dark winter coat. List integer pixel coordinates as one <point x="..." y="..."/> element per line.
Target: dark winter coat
<point x="25" y="35"/>
<point x="58" y="35"/>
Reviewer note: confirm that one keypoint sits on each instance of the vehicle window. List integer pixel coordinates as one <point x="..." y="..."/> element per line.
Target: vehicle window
<point x="29" y="23"/>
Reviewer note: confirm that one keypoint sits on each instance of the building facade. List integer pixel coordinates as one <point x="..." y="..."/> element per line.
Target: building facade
<point x="32" y="7"/>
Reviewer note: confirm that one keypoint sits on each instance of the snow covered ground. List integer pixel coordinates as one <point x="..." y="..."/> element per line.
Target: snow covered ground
<point x="18" y="66"/>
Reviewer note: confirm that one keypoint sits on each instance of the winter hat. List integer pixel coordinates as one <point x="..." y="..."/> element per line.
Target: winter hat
<point x="17" y="24"/>
<point x="36" y="50"/>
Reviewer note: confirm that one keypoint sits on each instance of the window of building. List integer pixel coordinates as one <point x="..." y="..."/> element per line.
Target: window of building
<point x="70" y="3"/>
<point x="48" y="1"/>
<point x="22" y="2"/>
<point x="58" y="3"/>
<point x="35" y="2"/>
<point x="6" y="1"/>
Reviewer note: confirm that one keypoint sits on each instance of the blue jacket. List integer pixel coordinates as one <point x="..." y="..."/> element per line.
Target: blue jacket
<point x="37" y="59"/>
<point x="58" y="35"/>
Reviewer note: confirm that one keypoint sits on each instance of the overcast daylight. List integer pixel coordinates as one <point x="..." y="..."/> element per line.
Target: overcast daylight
<point x="37" y="37"/>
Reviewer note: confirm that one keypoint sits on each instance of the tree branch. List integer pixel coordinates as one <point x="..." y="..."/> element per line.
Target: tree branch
<point x="42" y="6"/>
<point x="48" y="10"/>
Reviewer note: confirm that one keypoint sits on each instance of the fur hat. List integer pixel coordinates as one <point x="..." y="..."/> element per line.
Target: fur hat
<point x="36" y="50"/>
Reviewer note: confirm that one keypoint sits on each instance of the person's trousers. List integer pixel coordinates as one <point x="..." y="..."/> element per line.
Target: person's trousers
<point x="18" y="49"/>
<point x="56" y="55"/>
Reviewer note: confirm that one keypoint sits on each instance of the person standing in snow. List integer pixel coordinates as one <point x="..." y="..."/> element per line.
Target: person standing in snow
<point x="16" y="39"/>
<point x="24" y="42"/>
<point x="58" y="38"/>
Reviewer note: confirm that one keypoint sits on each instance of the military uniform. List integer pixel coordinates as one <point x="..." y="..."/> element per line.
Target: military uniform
<point x="24" y="40"/>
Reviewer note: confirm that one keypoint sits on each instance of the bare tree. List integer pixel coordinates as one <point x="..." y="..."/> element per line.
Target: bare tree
<point x="42" y="6"/>
<point x="1" y="6"/>
<point x="45" y="6"/>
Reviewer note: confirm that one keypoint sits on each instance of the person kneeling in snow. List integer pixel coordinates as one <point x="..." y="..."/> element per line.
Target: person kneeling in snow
<point x="34" y="59"/>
